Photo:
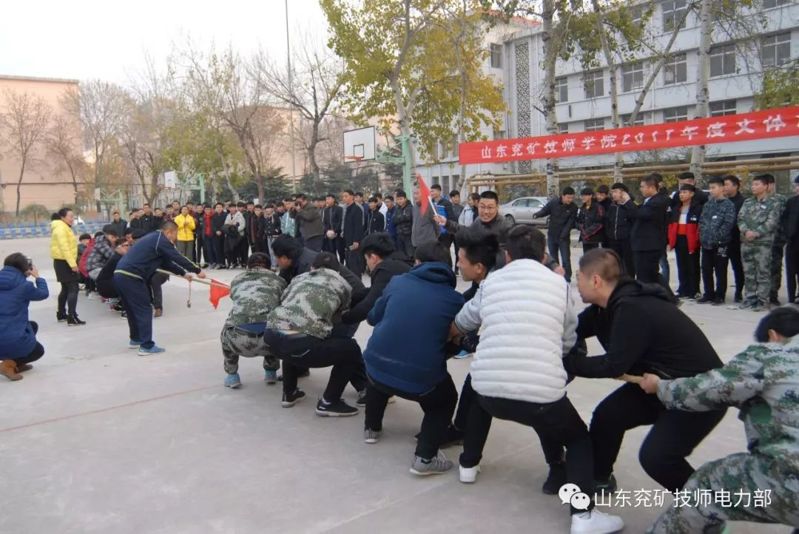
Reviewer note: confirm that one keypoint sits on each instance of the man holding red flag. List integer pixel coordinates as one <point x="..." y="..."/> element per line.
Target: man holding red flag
<point x="424" y="229"/>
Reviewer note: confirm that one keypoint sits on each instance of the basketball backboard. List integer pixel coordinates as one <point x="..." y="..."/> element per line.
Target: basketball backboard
<point x="359" y="145"/>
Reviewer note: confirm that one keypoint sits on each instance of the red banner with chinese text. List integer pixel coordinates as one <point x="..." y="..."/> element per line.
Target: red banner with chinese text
<point x="778" y="122"/>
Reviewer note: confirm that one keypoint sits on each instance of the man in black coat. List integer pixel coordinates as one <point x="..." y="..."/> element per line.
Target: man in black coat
<point x="377" y="249"/>
<point x="790" y="228"/>
<point x="562" y="213"/>
<point x="217" y="226"/>
<point x="642" y="331"/>
<point x="732" y="186"/>
<point x="617" y="229"/>
<point x="403" y="222"/>
<point x="353" y="232"/>
<point x="332" y="220"/>
<point x="648" y="233"/>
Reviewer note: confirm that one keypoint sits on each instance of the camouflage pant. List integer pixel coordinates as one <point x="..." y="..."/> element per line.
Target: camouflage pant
<point x="757" y="271"/>
<point x="745" y="473"/>
<point x="777" y="255"/>
<point x="236" y="343"/>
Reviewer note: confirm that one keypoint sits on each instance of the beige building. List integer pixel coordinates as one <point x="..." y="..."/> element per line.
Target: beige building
<point x="46" y="180"/>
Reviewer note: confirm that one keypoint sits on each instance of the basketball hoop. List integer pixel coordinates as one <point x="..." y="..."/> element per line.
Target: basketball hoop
<point x="356" y="159"/>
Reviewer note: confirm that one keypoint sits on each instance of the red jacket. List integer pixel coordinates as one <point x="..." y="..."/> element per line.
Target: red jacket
<point x="692" y="228"/>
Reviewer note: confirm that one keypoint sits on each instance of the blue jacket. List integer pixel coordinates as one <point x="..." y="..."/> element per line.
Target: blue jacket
<point x="17" y="339"/>
<point x="418" y="307"/>
<point x="151" y="252"/>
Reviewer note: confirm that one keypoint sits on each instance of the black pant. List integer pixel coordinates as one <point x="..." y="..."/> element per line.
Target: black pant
<point x="791" y="269"/>
<point x="714" y="261"/>
<point x="560" y="251"/>
<point x="219" y="249"/>
<point x="437" y="405"/>
<point x="68" y="297"/>
<point x="589" y="246"/>
<point x="673" y="436"/>
<point x="243" y="252"/>
<point x="38" y="349"/>
<point x="209" y="250"/>
<point x="405" y="245"/>
<point x="734" y="253"/>
<point x="355" y="262"/>
<point x="623" y="248"/>
<point x="647" y="266"/>
<point x="465" y="401"/>
<point x="158" y="280"/>
<point x="314" y="243"/>
<point x="777" y="256"/>
<point x="555" y="423"/>
<point x="687" y="268"/>
<point x="343" y="354"/>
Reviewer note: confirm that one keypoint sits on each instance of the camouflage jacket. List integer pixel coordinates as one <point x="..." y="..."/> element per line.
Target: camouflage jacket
<point x="311" y="303"/>
<point x="761" y="216"/>
<point x="763" y="382"/>
<point x="254" y="294"/>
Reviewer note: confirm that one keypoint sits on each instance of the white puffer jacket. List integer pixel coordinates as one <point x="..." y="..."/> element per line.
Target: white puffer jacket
<point x="528" y="324"/>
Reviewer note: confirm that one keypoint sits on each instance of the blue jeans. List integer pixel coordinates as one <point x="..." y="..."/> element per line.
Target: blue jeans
<point x="135" y="297"/>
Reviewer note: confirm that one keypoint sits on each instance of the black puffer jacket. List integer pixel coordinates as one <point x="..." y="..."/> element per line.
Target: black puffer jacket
<point x="383" y="273"/>
<point x="642" y="331"/>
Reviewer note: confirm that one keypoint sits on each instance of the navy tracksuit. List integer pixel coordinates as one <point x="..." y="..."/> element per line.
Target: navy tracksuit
<point x="134" y="270"/>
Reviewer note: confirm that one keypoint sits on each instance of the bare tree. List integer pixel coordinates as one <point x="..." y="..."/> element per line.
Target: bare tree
<point x="311" y="90"/>
<point x="101" y="107"/>
<point x="63" y="142"/>
<point x="25" y="120"/>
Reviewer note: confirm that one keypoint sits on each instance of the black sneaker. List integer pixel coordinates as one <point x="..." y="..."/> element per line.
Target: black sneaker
<point x="453" y="437"/>
<point x="738" y="297"/>
<point x="337" y="408"/>
<point x="607" y="486"/>
<point x="73" y="320"/>
<point x="718" y="302"/>
<point x="705" y="300"/>
<point x="60" y="317"/>
<point x="774" y="301"/>
<point x="290" y="399"/>
<point x="555" y="479"/>
<point x="361" y="398"/>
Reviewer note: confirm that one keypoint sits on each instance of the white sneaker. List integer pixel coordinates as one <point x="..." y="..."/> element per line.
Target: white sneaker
<point x="468" y="475"/>
<point x="595" y="522"/>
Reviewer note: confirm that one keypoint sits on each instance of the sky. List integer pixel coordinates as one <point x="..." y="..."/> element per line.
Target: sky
<point x="85" y="39"/>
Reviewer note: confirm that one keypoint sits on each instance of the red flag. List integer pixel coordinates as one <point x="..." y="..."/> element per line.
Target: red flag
<point x="424" y="195"/>
<point x="218" y="290"/>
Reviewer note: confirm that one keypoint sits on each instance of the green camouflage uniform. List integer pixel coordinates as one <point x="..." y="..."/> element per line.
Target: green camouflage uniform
<point x="778" y="248"/>
<point x="762" y="217"/>
<point x="311" y="303"/>
<point x="254" y="294"/>
<point x="763" y="382"/>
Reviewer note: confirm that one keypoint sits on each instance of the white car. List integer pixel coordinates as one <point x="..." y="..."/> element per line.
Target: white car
<point x="521" y="210"/>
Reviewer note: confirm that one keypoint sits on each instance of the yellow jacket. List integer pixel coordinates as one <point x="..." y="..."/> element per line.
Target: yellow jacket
<point x="186" y="226"/>
<point x="63" y="243"/>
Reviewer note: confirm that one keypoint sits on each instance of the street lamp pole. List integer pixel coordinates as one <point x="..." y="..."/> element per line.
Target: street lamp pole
<point x="291" y="108"/>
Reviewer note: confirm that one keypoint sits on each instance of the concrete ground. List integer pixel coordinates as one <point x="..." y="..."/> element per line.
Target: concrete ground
<point x="96" y="440"/>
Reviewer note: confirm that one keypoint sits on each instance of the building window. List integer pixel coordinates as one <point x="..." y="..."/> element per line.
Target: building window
<point x="768" y="4"/>
<point x="722" y="60"/>
<point x="636" y="13"/>
<point x="675" y="114"/>
<point x="632" y="76"/>
<point x="639" y="120"/>
<point x="594" y="84"/>
<point x="561" y="89"/>
<point x="723" y="107"/>
<point x="775" y="50"/>
<point x="496" y="56"/>
<point x="592" y="125"/>
<point x="675" y="70"/>
<point x="673" y="11"/>
<point x="563" y="127"/>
